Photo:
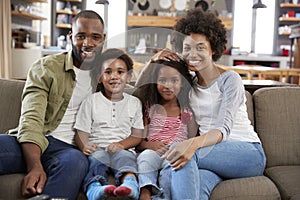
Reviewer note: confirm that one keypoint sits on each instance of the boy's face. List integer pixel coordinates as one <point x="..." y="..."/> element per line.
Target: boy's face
<point x="114" y="78"/>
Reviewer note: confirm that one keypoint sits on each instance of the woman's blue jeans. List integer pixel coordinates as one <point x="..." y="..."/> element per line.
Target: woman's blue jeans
<point x="211" y="165"/>
<point x="102" y="163"/>
<point x="64" y="165"/>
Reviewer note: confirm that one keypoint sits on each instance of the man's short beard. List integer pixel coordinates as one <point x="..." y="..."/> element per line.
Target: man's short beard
<point x="90" y="64"/>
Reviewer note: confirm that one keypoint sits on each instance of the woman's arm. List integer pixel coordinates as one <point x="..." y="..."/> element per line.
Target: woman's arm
<point x="181" y="153"/>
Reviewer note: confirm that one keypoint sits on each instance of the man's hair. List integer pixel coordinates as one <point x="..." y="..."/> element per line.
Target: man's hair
<point x="201" y="22"/>
<point x="87" y="14"/>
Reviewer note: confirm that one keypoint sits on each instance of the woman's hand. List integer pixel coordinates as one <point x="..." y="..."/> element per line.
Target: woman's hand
<point x="165" y="54"/>
<point x="180" y="154"/>
<point x="114" y="147"/>
<point x="89" y="148"/>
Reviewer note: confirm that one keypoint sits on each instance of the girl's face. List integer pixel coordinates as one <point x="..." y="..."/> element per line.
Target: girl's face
<point x="168" y="83"/>
<point x="114" y="77"/>
<point x="197" y="51"/>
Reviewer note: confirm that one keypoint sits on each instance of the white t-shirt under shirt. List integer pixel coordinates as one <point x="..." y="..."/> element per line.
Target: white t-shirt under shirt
<point x="107" y="121"/>
<point x="83" y="88"/>
<point x="221" y="105"/>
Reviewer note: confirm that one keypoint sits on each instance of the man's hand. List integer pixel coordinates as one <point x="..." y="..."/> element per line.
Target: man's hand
<point x="33" y="183"/>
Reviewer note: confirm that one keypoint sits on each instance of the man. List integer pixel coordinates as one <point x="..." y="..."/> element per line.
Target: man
<point x="54" y="90"/>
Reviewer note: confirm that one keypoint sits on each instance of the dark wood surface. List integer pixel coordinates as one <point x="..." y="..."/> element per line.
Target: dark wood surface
<point x="252" y="85"/>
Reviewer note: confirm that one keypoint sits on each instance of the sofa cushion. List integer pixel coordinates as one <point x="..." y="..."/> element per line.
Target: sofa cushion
<point x="277" y="121"/>
<point x="249" y="104"/>
<point x="10" y="186"/>
<point x="10" y="106"/>
<point x="253" y="188"/>
<point x="287" y="180"/>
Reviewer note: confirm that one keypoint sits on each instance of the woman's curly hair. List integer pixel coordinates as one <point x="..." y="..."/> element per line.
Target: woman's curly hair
<point x="201" y="22"/>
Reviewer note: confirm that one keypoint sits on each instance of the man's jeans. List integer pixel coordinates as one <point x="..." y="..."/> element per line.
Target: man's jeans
<point x="102" y="163"/>
<point x="64" y="165"/>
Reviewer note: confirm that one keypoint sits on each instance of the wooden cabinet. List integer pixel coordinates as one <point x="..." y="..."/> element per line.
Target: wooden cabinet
<point x="63" y="12"/>
<point x="162" y="21"/>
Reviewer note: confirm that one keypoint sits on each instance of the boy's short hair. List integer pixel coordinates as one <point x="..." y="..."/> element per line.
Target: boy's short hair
<point x="114" y="53"/>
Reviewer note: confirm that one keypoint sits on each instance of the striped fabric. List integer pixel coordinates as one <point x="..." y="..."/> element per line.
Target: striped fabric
<point x="169" y="129"/>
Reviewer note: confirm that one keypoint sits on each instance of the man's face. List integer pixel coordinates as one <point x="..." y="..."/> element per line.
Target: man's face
<point x="87" y="41"/>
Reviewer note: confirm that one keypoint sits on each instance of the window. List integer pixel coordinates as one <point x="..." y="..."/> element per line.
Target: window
<point x="264" y="30"/>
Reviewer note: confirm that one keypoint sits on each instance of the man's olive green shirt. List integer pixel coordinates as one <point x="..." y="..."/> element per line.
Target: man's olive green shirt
<point x="46" y="95"/>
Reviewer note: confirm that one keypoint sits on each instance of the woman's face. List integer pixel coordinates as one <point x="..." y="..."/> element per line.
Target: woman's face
<point x="197" y="52"/>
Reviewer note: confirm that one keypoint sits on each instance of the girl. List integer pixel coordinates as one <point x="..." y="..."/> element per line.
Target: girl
<point x="168" y="118"/>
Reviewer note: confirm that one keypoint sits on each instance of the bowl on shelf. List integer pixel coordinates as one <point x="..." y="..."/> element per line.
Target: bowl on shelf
<point x="29" y="45"/>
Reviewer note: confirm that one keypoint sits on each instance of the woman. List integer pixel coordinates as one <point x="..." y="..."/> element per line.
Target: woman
<point x="227" y="146"/>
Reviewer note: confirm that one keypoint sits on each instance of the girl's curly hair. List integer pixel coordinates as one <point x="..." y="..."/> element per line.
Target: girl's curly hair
<point x="201" y="22"/>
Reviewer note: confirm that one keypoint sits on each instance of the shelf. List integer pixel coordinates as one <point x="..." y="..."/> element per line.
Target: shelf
<point x="38" y="1"/>
<point x="67" y="12"/>
<point x="67" y="26"/>
<point x="289" y="19"/>
<point x="285" y="33"/>
<point x="163" y="21"/>
<point x="27" y="15"/>
<point x="289" y="5"/>
<point x="79" y="1"/>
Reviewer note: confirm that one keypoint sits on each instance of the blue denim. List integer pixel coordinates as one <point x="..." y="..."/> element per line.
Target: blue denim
<point x="64" y="165"/>
<point x="103" y="162"/>
<point x="149" y="166"/>
<point x="225" y="160"/>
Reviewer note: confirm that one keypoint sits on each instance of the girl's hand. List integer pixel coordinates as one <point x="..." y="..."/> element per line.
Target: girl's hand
<point x="159" y="147"/>
<point x="165" y="54"/>
<point x="114" y="147"/>
<point x="89" y="148"/>
<point x="180" y="154"/>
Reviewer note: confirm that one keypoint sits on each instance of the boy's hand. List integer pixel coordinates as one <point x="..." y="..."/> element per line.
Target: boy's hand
<point x="114" y="147"/>
<point x="89" y="148"/>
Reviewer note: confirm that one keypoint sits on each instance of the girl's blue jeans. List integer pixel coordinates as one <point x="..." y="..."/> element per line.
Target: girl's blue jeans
<point x="102" y="163"/>
<point x="64" y="165"/>
<point x="211" y="165"/>
<point x="149" y="166"/>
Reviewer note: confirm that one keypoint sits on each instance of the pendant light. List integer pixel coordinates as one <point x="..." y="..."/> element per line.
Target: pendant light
<point x="259" y="4"/>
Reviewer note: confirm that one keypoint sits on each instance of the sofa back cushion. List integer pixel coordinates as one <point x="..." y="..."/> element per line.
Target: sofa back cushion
<point x="10" y="106"/>
<point x="277" y="120"/>
<point x="249" y="104"/>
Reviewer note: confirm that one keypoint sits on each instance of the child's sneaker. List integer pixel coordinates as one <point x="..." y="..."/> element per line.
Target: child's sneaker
<point x="129" y="188"/>
<point x="96" y="191"/>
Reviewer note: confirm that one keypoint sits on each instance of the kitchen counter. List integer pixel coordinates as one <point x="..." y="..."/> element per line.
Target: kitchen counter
<point x="265" y="60"/>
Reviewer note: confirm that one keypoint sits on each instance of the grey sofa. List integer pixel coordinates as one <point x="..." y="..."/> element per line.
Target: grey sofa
<point x="275" y="113"/>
